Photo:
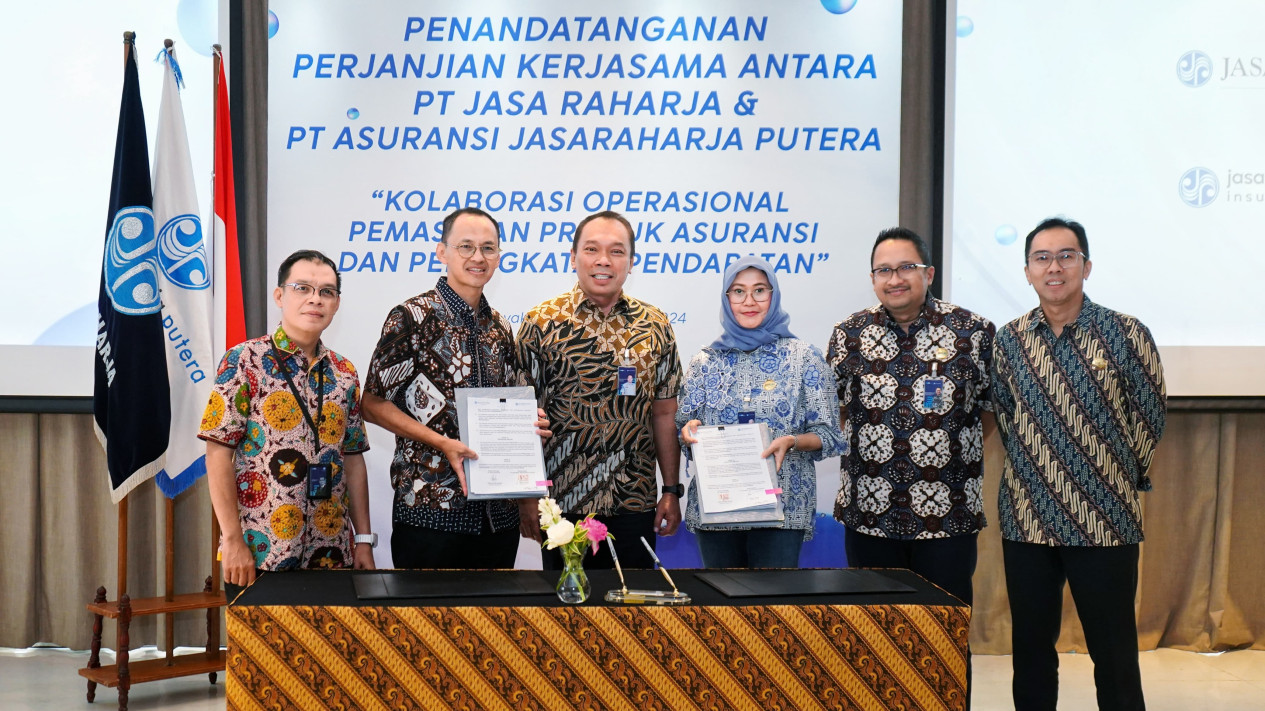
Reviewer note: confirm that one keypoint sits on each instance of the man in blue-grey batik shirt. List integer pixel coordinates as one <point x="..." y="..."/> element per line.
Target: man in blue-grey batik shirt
<point x="1078" y="391"/>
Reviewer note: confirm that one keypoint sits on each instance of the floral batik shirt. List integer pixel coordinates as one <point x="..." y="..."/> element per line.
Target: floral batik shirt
<point x="252" y="409"/>
<point x="916" y="464"/>
<point x="431" y="345"/>
<point x="789" y="387"/>
<point x="601" y="457"/>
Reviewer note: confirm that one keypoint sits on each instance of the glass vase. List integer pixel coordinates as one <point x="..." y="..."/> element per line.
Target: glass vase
<point x="573" y="587"/>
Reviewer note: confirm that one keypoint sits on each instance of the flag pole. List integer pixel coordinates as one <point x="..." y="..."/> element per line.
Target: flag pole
<point x="170" y="572"/>
<point x="129" y="39"/>
<point x="169" y="506"/>
<point x="217" y="58"/>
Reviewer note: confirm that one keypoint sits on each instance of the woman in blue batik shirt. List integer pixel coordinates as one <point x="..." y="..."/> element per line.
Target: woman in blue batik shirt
<point x="758" y="371"/>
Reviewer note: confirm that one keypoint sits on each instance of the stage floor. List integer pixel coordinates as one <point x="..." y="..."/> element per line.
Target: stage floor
<point x="1174" y="681"/>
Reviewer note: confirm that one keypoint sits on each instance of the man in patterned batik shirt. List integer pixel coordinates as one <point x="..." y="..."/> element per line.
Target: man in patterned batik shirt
<point x="913" y="376"/>
<point x="443" y="339"/>
<point x="284" y="456"/>
<point x="578" y="350"/>
<point x="1079" y="395"/>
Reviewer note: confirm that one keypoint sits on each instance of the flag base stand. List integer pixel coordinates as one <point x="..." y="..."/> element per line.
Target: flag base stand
<point x="123" y="674"/>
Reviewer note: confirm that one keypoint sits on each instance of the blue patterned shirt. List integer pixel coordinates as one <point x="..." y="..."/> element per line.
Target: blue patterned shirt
<point x="1080" y="414"/>
<point x="801" y="400"/>
<point x="916" y="466"/>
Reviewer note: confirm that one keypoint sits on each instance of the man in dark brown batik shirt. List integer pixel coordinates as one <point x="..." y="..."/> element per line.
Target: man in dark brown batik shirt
<point x="433" y="343"/>
<point x="578" y="350"/>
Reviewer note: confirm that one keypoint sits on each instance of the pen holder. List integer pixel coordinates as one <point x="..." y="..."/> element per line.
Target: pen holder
<point x="648" y="597"/>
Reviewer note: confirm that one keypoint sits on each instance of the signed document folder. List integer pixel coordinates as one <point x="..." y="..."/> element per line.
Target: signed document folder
<point x="735" y="484"/>
<point x="499" y="424"/>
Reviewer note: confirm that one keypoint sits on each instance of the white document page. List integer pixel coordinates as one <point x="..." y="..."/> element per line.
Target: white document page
<point x="503" y="434"/>
<point x="731" y="473"/>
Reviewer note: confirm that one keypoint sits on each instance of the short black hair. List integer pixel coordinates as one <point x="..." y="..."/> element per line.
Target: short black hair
<point x="451" y="220"/>
<point x="906" y="234"/>
<point x="606" y="215"/>
<point x="307" y="255"/>
<point x="1051" y="222"/>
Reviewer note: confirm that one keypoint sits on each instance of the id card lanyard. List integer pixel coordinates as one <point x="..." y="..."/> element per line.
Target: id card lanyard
<point x="319" y="484"/>
<point x="747" y="414"/>
<point x="626" y="382"/>
<point x="933" y="387"/>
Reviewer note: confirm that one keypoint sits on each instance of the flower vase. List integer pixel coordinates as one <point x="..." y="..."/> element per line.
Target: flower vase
<point x="573" y="587"/>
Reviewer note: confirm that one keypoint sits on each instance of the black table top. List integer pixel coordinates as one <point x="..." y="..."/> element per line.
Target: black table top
<point x="335" y="588"/>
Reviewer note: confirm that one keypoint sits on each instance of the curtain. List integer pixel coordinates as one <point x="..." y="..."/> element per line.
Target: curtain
<point x="61" y="534"/>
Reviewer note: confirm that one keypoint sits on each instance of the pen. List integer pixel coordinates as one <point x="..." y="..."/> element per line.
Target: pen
<point x="659" y="563"/>
<point x="610" y="543"/>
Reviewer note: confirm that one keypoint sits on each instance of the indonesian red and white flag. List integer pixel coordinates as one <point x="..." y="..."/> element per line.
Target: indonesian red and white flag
<point x="229" y="317"/>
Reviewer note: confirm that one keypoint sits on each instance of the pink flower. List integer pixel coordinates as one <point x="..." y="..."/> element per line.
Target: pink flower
<point x="594" y="530"/>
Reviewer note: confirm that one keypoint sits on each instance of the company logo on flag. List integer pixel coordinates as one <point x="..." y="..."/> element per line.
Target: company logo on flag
<point x="131" y="398"/>
<point x="131" y="278"/>
<point x="185" y="278"/>
<point x="181" y="252"/>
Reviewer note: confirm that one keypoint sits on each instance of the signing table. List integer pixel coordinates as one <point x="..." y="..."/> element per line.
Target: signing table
<point x="304" y="640"/>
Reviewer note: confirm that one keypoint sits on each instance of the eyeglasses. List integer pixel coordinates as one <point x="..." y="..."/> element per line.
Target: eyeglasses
<point x="1067" y="258"/>
<point x="467" y="249"/>
<point x="328" y="293"/>
<point x="905" y="270"/>
<point x="738" y="295"/>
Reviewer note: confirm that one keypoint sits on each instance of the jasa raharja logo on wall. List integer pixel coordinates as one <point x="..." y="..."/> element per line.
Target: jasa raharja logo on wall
<point x="1196" y="68"/>
<point x="1200" y="187"/>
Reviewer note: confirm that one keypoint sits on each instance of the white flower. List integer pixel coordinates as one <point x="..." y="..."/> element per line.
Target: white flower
<point x="560" y="534"/>
<point x="549" y="512"/>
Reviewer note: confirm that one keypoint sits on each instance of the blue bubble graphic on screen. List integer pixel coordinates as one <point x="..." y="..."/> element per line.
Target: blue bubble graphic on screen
<point x="838" y="7"/>
<point x="1194" y="69"/>
<point x="1198" y="187"/>
<point x="965" y="26"/>
<point x="198" y="21"/>
<point x="273" y="24"/>
<point x="1006" y="234"/>
<point x="76" y="328"/>
<point x="353" y="113"/>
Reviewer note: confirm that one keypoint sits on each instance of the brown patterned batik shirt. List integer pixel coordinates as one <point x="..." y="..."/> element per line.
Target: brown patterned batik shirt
<point x="601" y="457"/>
<point x="430" y="345"/>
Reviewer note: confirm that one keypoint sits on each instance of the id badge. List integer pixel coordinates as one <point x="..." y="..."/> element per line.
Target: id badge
<point x="627" y="380"/>
<point x="932" y="393"/>
<point x="319" y="481"/>
<point x="746" y="418"/>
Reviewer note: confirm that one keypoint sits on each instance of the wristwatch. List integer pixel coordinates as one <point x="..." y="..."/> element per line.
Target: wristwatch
<point x="370" y="538"/>
<point x="678" y="489"/>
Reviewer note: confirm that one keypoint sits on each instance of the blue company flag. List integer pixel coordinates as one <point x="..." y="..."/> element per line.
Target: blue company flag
<point x="185" y="280"/>
<point x="131" y="398"/>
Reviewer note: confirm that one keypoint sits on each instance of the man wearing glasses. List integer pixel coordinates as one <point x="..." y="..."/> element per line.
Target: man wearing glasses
<point x="440" y="340"/>
<point x="913" y="374"/>
<point x="284" y="440"/>
<point x="1079" y="396"/>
